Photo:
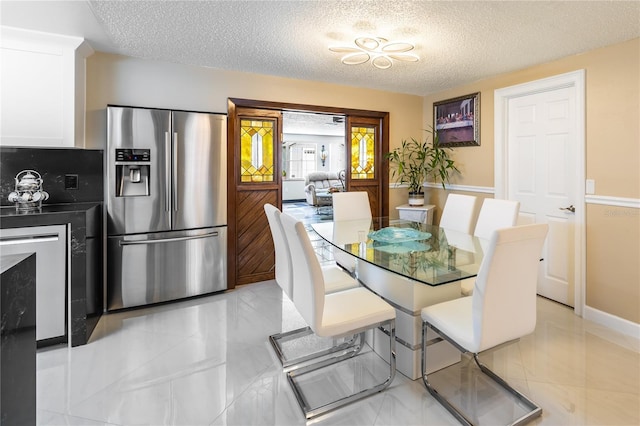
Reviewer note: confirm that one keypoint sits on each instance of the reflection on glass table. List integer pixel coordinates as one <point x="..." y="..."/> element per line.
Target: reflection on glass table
<point x="425" y="253"/>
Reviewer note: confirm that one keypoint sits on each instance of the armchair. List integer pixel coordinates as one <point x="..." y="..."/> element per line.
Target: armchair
<point x="319" y="183"/>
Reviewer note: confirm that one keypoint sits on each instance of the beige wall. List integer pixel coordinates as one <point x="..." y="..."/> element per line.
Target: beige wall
<point x="122" y="80"/>
<point x="613" y="148"/>
<point x="612" y="160"/>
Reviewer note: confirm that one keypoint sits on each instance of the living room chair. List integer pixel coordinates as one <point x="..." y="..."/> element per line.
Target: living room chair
<point x="349" y="206"/>
<point x="502" y="308"/>
<point x="494" y="214"/>
<point x="335" y="279"/>
<point x="458" y="213"/>
<point x="334" y="315"/>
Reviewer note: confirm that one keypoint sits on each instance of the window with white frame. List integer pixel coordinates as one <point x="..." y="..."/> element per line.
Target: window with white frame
<point x="302" y="160"/>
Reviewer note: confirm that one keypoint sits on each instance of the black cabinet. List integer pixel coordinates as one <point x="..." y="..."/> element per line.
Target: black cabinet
<point x="18" y="340"/>
<point x="86" y="293"/>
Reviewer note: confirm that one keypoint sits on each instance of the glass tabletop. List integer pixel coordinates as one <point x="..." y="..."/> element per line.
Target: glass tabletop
<point x="425" y="253"/>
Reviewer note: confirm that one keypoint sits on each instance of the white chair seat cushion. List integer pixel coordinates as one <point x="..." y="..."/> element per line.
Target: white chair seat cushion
<point x="336" y="279"/>
<point x="454" y="318"/>
<point x="352" y="310"/>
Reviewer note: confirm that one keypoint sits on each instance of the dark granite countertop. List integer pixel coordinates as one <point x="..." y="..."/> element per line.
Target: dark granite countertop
<point x="48" y="209"/>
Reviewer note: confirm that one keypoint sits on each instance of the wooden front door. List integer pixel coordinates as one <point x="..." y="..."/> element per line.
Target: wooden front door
<point x="365" y="169"/>
<point x="253" y="180"/>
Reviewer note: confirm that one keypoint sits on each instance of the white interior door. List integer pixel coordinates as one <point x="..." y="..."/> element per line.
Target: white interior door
<point x="542" y="172"/>
<point x="540" y="161"/>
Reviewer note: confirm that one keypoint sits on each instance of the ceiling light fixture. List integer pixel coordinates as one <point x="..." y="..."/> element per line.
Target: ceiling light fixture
<point x="379" y="50"/>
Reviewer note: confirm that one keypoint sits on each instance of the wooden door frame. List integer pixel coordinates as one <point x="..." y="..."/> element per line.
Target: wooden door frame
<point x="235" y="103"/>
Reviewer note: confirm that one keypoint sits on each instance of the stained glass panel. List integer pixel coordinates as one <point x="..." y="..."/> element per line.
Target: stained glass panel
<point x="363" y="152"/>
<point x="256" y="151"/>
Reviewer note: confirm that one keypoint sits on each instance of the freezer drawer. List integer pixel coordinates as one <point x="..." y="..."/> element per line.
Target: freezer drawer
<point x="49" y="243"/>
<point x="152" y="268"/>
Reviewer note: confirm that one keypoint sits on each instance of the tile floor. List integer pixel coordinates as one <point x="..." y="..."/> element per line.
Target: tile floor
<point x="207" y="361"/>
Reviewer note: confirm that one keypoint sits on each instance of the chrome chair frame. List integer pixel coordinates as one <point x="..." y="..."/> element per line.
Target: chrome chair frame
<point x="352" y="346"/>
<point x="536" y="410"/>
<point x="310" y="412"/>
<point x="277" y="338"/>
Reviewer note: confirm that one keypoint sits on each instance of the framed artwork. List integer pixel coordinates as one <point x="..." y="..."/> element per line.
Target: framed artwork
<point x="457" y="121"/>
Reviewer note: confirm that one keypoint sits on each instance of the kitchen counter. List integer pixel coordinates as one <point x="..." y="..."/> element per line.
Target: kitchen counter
<point x="86" y="293"/>
<point x="18" y="339"/>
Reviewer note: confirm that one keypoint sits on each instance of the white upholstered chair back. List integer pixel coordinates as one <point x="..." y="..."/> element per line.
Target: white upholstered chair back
<point x="504" y="298"/>
<point x="308" y="281"/>
<point x="284" y="272"/>
<point x="458" y="213"/>
<point x="351" y="205"/>
<point x="496" y="214"/>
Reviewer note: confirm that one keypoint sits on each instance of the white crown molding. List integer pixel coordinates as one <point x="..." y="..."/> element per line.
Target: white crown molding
<point x="633" y="203"/>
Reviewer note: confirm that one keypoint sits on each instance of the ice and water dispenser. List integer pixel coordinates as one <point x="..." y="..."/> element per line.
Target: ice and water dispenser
<point x="132" y="172"/>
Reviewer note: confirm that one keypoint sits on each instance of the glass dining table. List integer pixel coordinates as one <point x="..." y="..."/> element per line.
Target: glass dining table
<point x="411" y="265"/>
<point x="424" y="253"/>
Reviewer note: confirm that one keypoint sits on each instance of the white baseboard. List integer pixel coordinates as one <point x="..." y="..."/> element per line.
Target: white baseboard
<point x="613" y="322"/>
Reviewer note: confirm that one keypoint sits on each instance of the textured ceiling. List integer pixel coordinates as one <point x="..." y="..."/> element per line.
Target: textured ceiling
<point x="458" y="42"/>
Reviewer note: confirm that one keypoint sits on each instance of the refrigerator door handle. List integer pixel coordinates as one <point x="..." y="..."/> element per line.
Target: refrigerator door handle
<point x="174" y="172"/>
<point x="167" y="168"/>
<point x="168" y="240"/>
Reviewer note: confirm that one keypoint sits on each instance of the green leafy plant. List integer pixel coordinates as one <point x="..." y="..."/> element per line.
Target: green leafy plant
<point x="414" y="162"/>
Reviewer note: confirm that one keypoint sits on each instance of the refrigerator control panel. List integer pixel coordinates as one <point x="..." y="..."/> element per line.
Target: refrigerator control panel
<point x="133" y="155"/>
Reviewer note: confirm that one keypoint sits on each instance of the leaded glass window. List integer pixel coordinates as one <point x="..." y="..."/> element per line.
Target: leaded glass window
<point x="363" y="152"/>
<point x="256" y="151"/>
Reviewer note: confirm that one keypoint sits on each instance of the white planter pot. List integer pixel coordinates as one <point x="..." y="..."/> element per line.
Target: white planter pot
<point x="416" y="199"/>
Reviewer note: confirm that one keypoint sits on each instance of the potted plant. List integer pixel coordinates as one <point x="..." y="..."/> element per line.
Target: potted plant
<point x="415" y="162"/>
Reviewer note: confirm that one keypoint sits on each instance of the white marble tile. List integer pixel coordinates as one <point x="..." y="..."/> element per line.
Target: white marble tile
<point x="45" y="417"/>
<point x="67" y="376"/>
<point x="207" y="361"/>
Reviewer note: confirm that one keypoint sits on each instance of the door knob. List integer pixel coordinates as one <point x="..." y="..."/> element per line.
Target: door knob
<point x="570" y="208"/>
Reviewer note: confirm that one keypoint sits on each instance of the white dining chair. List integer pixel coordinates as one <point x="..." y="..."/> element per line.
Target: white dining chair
<point x="501" y="309"/>
<point x="336" y="279"/>
<point x="349" y="206"/>
<point x="494" y="214"/>
<point x="334" y="315"/>
<point x="458" y="213"/>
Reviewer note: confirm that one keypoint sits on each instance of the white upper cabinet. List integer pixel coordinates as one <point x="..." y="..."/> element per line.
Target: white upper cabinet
<point x="42" y="84"/>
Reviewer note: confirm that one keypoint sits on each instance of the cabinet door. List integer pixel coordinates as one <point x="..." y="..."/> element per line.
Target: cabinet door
<point x="50" y="245"/>
<point x="41" y="90"/>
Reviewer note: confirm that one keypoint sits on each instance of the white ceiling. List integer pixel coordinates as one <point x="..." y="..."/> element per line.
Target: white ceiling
<point x="458" y="42"/>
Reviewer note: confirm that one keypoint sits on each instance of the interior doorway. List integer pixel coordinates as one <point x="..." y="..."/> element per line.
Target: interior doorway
<point x="539" y="150"/>
<point x="312" y="142"/>
<point x="255" y="174"/>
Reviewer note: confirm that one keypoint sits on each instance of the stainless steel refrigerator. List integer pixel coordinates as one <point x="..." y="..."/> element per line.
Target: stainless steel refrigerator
<point x="166" y="205"/>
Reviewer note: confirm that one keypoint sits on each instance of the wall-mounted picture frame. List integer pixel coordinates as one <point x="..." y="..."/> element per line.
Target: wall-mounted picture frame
<point x="457" y="121"/>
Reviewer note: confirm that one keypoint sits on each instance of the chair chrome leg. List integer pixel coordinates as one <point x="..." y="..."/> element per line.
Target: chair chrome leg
<point x="441" y="399"/>
<point x="535" y="409"/>
<point x="311" y="412"/>
<point x="353" y="346"/>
